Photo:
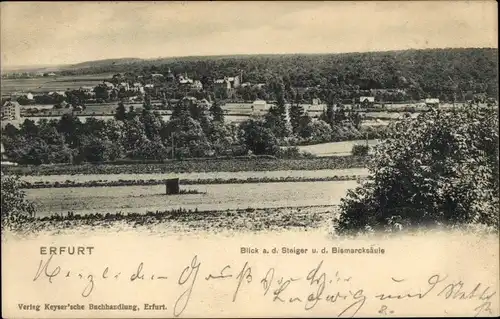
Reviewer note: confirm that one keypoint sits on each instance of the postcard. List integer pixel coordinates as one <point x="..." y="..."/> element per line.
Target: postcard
<point x="249" y="159"/>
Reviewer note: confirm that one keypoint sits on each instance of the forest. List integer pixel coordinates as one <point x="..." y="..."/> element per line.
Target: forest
<point x="444" y="73"/>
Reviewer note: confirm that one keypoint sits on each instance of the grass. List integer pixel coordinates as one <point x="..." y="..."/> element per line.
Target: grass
<point x="140" y="199"/>
<point x="334" y="148"/>
<point x="150" y="182"/>
<point x="193" y="220"/>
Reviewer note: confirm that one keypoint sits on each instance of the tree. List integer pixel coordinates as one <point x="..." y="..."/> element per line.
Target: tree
<point x="440" y="168"/>
<point x="187" y="137"/>
<point x="16" y="210"/>
<point x="95" y="149"/>
<point x="296" y="113"/>
<point x="276" y="118"/>
<point x="10" y="130"/>
<point x="101" y="92"/>
<point x="131" y="113"/>
<point x="258" y="138"/>
<point x="147" y="102"/>
<point x="120" y="112"/>
<point x="317" y="131"/>
<point x="217" y="112"/>
<point x="222" y="137"/>
<point x="70" y="127"/>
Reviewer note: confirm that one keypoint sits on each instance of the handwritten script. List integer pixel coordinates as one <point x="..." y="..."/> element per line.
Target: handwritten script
<point x="319" y="286"/>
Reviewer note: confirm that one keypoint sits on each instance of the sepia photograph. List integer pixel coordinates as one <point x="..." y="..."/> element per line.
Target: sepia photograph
<point x="249" y="159"/>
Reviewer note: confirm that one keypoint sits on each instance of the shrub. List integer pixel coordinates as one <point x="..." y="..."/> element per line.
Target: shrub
<point x="360" y="150"/>
<point x="16" y="210"/>
<point x="439" y="168"/>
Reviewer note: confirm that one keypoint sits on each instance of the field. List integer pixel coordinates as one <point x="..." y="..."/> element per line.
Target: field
<point x="56" y="83"/>
<point x="140" y="199"/>
<point x="335" y="148"/>
<point x="193" y="176"/>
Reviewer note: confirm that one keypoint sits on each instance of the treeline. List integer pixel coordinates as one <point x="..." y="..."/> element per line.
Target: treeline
<point x="192" y="131"/>
<point x="444" y="73"/>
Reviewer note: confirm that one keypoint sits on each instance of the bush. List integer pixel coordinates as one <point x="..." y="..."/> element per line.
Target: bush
<point x="360" y="150"/>
<point x="440" y="168"/>
<point x="16" y="210"/>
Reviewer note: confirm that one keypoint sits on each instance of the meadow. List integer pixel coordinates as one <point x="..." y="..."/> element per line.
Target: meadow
<point x="55" y="83"/>
<point x="140" y="199"/>
<point x="335" y="148"/>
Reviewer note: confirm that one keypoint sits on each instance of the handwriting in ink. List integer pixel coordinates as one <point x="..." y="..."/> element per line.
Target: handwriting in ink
<point x="245" y="273"/>
<point x="190" y="272"/>
<point x="43" y="268"/>
<point x="221" y="275"/>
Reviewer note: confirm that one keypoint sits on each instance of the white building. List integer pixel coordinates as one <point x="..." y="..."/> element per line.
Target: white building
<point x="11" y="111"/>
<point x="367" y="99"/>
<point x="109" y="85"/>
<point x="432" y="101"/>
<point x="260" y="105"/>
<point x="137" y="87"/>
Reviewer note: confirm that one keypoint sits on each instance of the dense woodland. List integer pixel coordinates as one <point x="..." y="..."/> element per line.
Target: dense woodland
<point x="192" y="131"/>
<point x="444" y="73"/>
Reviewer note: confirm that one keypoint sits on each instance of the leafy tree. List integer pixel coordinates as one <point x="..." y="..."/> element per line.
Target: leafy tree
<point x="10" y="130"/>
<point x="95" y="149"/>
<point x="70" y="127"/>
<point x="217" y="112"/>
<point x="134" y="135"/>
<point x="29" y="128"/>
<point x="153" y="124"/>
<point x="132" y="114"/>
<point x="120" y="113"/>
<point x="317" y="131"/>
<point x="222" y="137"/>
<point x="101" y="92"/>
<point x="153" y="150"/>
<point x="259" y="138"/>
<point x="439" y="168"/>
<point x="187" y="137"/>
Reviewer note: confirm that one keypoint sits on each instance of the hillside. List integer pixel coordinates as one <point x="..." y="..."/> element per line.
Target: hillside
<point x="431" y="71"/>
<point x="106" y="63"/>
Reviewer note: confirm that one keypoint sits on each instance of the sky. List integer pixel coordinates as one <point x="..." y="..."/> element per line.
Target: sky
<point x="55" y="33"/>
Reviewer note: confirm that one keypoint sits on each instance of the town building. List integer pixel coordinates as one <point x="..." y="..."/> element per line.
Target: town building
<point x="124" y="85"/>
<point x="366" y="99"/>
<point x="184" y="80"/>
<point x="197" y="85"/>
<point x="432" y="102"/>
<point x="137" y="87"/>
<point x="260" y="105"/>
<point x="228" y="83"/>
<point x="109" y="85"/>
<point x="11" y="111"/>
